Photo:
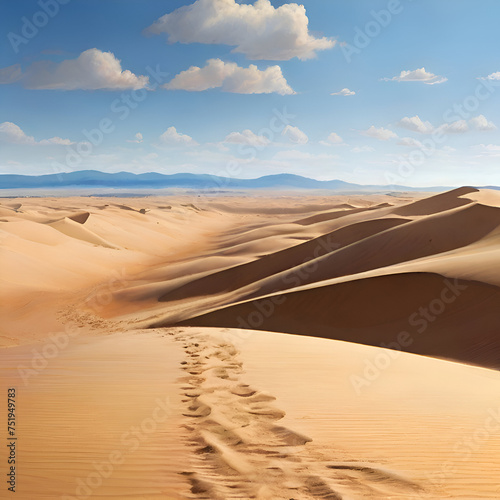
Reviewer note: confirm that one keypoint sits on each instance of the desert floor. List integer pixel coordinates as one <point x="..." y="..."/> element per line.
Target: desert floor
<point x="266" y="345"/>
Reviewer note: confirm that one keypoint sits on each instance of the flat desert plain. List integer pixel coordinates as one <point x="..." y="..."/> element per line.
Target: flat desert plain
<point x="252" y="346"/>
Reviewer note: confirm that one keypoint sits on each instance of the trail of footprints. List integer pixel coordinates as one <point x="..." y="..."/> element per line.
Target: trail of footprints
<point x="241" y="452"/>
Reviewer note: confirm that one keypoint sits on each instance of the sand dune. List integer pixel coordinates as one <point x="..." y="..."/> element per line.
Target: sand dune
<point x="421" y="313"/>
<point x="431" y="236"/>
<point x="267" y="346"/>
<point x="281" y="261"/>
<point x="438" y="203"/>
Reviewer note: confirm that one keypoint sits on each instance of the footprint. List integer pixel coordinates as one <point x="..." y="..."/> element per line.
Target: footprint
<point x="198" y="410"/>
<point x="270" y="413"/>
<point x="244" y="391"/>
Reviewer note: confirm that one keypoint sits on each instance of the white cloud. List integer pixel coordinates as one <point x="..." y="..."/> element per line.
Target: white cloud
<point x="259" y="31"/>
<point x="296" y="155"/>
<point x="231" y="78"/>
<point x="173" y="138"/>
<point x="415" y="124"/>
<point x="382" y="134"/>
<point x="247" y="137"/>
<point x="333" y="140"/>
<point x="481" y="123"/>
<point x="345" y="92"/>
<point x="295" y="135"/>
<point x="56" y="140"/>
<point x="410" y="142"/>
<point x="363" y="149"/>
<point x="12" y="133"/>
<point x="493" y="76"/>
<point x="417" y="75"/>
<point x="137" y="138"/>
<point x="458" y="127"/>
<point x="91" y="70"/>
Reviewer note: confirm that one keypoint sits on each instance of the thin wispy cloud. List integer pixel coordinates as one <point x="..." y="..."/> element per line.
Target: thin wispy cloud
<point x="417" y="75"/>
<point x="344" y="92"/>
<point x="381" y="133"/>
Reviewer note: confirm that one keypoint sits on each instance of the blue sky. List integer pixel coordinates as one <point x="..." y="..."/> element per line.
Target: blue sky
<point x="367" y="91"/>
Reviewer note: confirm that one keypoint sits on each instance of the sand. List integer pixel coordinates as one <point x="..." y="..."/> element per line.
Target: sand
<point x="265" y="345"/>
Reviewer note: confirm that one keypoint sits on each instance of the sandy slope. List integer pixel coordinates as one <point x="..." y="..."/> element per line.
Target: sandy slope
<point x="201" y="413"/>
<point x="123" y="391"/>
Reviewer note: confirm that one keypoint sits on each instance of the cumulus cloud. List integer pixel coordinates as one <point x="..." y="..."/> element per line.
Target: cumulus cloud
<point x="345" y="92"/>
<point x="481" y="123"/>
<point x="247" y="137"/>
<point x="493" y="76"/>
<point x="382" y="134"/>
<point x="458" y="127"/>
<point x="259" y="31"/>
<point x="91" y="70"/>
<point x="333" y="140"/>
<point x="417" y="75"/>
<point x="230" y="77"/>
<point x="295" y="135"/>
<point x="415" y="124"/>
<point x="137" y="138"/>
<point x="12" y="133"/>
<point x="173" y="138"/>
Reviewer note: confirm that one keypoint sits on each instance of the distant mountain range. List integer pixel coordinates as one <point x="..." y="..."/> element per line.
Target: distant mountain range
<point x="202" y="182"/>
